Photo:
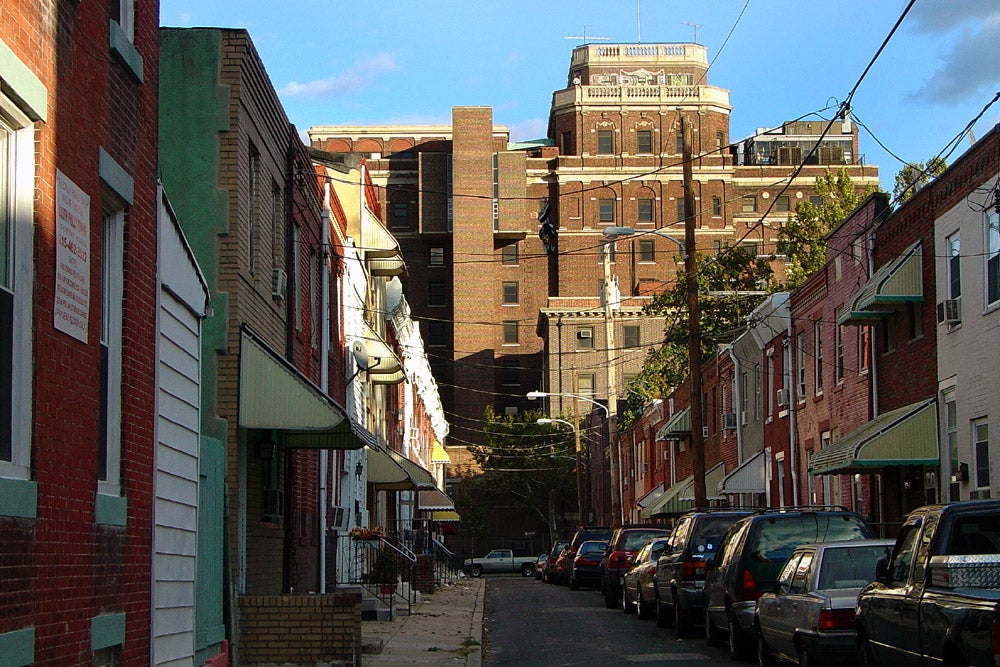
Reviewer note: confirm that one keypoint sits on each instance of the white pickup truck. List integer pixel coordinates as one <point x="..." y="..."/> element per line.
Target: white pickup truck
<point x="500" y="560"/>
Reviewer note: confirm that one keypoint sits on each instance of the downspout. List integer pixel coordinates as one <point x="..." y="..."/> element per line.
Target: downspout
<point x="792" y="446"/>
<point x="737" y="403"/>
<point x="324" y="374"/>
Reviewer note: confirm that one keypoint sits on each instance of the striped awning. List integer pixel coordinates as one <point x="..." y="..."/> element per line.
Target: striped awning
<point x="906" y="436"/>
<point x="419" y="476"/>
<point x="445" y="516"/>
<point x="678" y="427"/>
<point x="899" y="281"/>
<point x="382" y="253"/>
<point x="385" y="473"/>
<point x="749" y="477"/>
<point x="439" y="454"/>
<point x="435" y="499"/>
<point x="679" y="498"/>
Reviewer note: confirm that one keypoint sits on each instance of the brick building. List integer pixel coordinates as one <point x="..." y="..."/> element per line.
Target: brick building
<point x="78" y="299"/>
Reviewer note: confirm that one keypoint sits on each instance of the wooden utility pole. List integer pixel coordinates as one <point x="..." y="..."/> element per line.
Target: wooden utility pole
<point x="614" y="446"/>
<point x="694" y="320"/>
<point x="581" y="519"/>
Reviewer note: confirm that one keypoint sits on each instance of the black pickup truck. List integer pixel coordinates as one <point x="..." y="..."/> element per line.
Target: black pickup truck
<point x="936" y="598"/>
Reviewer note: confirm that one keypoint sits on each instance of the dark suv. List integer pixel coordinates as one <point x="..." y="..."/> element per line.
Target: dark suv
<point x="751" y="556"/>
<point x="583" y="534"/>
<point x="680" y="570"/>
<point x="624" y="544"/>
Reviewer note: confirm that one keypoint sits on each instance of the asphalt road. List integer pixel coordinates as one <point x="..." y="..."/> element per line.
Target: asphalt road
<point x="531" y="623"/>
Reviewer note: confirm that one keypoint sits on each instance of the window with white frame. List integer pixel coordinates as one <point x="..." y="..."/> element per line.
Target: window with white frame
<point x="772" y="385"/>
<point x="800" y="364"/>
<point x="981" y="451"/>
<point x="992" y="257"/>
<point x="838" y="369"/>
<point x="756" y="391"/>
<point x="818" y="356"/>
<point x="123" y="12"/>
<point x="951" y="430"/>
<point x="744" y="396"/>
<point x="17" y="167"/>
<point x="864" y="347"/>
<point x="112" y="290"/>
<point x="953" y="250"/>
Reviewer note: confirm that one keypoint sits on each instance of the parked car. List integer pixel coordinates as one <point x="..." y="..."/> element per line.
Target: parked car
<point x="540" y="565"/>
<point x="752" y="554"/>
<point x="586" y="567"/>
<point x="564" y="563"/>
<point x="637" y="583"/>
<point x="622" y="548"/>
<point x="935" y="599"/>
<point x="548" y="572"/>
<point x="809" y="616"/>
<point x="680" y="570"/>
<point x="500" y="560"/>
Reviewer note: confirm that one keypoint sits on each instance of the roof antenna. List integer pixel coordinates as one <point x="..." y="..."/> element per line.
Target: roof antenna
<point x="638" y="21"/>
<point x="695" y="26"/>
<point x="585" y="37"/>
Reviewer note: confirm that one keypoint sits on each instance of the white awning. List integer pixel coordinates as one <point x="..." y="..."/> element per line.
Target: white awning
<point x="749" y="477"/>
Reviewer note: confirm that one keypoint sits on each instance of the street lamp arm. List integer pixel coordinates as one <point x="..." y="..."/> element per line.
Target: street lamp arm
<point x="532" y="395"/>
<point x="613" y="233"/>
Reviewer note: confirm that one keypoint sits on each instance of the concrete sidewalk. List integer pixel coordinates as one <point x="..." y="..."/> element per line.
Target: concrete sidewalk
<point x="445" y="628"/>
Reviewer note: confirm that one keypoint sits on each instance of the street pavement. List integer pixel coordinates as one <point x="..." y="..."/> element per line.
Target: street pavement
<point x="444" y="628"/>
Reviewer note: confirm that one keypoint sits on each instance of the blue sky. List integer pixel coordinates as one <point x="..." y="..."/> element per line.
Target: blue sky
<point x="411" y="61"/>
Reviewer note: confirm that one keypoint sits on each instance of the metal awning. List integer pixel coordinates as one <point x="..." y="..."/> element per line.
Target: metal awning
<point x="749" y="477"/>
<point x="419" y="476"/>
<point x="384" y="366"/>
<point x="445" y="516"/>
<point x="435" y="499"/>
<point x="679" y="498"/>
<point x="385" y="473"/>
<point x="273" y="395"/>
<point x="899" y="281"/>
<point x="650" y="496"/>
<point x="439" y="454"/>
<point x="906" y="436"/>
<point x="382" y="253"/>
<point x="678" y="427"/>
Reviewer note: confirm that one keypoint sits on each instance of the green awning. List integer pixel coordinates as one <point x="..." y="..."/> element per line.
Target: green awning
<point x="678" y="427"/>
<point x="273" y="395"/>
<point x="679" y="498"/>
<point x="906" y="436"/>
<point x="899" y="281"/>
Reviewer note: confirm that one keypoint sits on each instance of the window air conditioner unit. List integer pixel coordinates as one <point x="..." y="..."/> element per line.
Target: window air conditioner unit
<point x="584" y="333"/>
<point x="782" y="397"/>
<point x="704" y="431"/>
<point x="743" y="416"/>
<point x="729" y="421"/>
<point x="274" y="503"/>
<point x="279" y="284"/>
<point x="949" y="311"/>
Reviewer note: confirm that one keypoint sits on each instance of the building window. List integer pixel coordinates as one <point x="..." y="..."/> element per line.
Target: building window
<point x="437" y="257"/>
<point x="720" y="140"/>
<point x="400" y="214"/>
<point x="716" y="207"/>
<point x="800" y="364"/>
<point x="295" y="279"/>
<point x="679" y="142"/>
<point x="744" y="396"/>
<point x="612" y="252"/>
<point x="585" y="384"/>
<point x="436" y="333"/>
<point x="315" y="281"/>
<point x="783" y="204"/>
<point x="644" y="210"/>
<point x="716" y="247"/>
<point x="981" y="449"/>
<point x="818" y="356"/>
<point x="647" y="250"/>
<point x="112" y="290"/>
<point x="681" y="210"/>
<point x="510" y="293"/>
<point x="436" y="293"/>
<point x="253" y="173"/>
<point x="567" y="144"/>
<point x="838" y="370"/>
<point x="606" y="209"/>
<point x="953" y="248"/>
<point x="772" y="385"/>
<point x="757" y="403"/>
<point x="644" y="142"/>
<point x="951" y="436"/>
<point x="749" y="204"/>
<point x="277" y="224"/>
<point x="992" y="257"/>
<point x="508" y="255"/>
<point x="510" y="332"/>
<point x="915" y="314"/>
<point x="511" y="372"/>
<point x="605" y="142"/>
<point x="752" y="248"/>
<point x="123" y="12"/>
<point x="631" y="335"/>
<point x="888" y="327"/>
<point x="864" y="348"/>
<point x="585" y="338"/>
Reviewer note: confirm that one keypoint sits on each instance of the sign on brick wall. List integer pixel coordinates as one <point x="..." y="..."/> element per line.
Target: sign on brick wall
<point x="72" y="298"/>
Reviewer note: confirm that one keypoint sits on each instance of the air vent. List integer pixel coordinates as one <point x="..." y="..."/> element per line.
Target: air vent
<point x="279" y="284"/>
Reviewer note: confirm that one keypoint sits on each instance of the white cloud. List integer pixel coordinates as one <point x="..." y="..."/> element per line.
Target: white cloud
<point x="357" y="77"/>
<point x="970" y="68"/>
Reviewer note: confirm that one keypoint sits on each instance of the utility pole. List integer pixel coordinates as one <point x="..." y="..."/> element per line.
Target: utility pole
<point x="694" y="320"/>
<point x="579" y="463"/>
<point x="614" y="446"/>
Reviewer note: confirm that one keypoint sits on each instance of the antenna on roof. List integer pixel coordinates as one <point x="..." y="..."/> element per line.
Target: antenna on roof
<point x="695" y="26"/>
<point x="638" y="21"/>
<point x="585" y="37"/>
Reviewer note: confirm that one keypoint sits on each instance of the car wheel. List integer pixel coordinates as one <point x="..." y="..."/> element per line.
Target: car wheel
<point x="712" y="634"/>
<point x="663" y="619"/>
<point x="477" y="571"/>
<point x="764" y="656"/>
<point x="682" y="621"/>
<point x="527" y="570"/>
<point x="627" y="606"/>
<point x="642" y="609"/>
<point x="737" y="640"/>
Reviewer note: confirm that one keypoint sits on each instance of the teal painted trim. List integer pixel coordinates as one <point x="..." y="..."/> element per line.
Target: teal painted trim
<point x="17" y="648"/>
<point x="123" y="46"/>
<point x="107" y="630"/>
<point x="18" y="497"/>
<point x="111" y="510"/>
<point x="115" y="176"/>
<point x="17" y="81"/>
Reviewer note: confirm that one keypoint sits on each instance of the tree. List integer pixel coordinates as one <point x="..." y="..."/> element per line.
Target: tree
<point x="916" y="175"/>
<point x="802" y="239"/>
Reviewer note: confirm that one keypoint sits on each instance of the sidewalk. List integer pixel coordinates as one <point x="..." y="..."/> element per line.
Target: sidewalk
<point x="445" y="628"/>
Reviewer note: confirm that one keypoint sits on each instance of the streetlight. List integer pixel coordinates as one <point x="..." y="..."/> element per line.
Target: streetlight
<point x="613" y="233"/>
<point x="532" y="395"/>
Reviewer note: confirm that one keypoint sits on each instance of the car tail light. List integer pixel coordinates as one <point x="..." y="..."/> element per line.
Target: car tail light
<point x="749" y="586"/>
<point x="587" y="562"/>
<point x="841" y="619"/>
<point x="694" y="569"/>
<point x="617" y="560"/>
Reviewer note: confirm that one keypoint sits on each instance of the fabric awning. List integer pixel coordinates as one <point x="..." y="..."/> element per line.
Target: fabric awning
<point x="679" y="498"/>
<point x="678" y="427"/>
<point x="273" y="395"/>
<point x="906" y="436"/>
<point x="382" y="252"/>
<point x="748" y="477"/>
<point x="899" y="281"/>
<point x="435" y="499"/>
<point x="650" y="496"/>
<point x="419" y="477"/>
<point x="385" y="473"/>
<point x="384" y="366"/>
<point x="439" y="454"/>
<point x="445" y="516"/>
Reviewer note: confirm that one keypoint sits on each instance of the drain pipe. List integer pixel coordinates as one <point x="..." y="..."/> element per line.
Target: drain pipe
<point x="792" y="400"/>
<point x="324" y="365"/>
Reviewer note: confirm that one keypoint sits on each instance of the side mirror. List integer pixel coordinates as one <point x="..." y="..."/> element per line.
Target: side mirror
<point x="882" y="570"/>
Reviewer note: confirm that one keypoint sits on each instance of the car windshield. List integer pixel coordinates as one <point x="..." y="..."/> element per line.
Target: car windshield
<point x="590" y="547"/>
<point x="635" y="540"/>
<point x="778" y="536"/>
<point x="709" y="533"/>
<point x="849" y="567"/>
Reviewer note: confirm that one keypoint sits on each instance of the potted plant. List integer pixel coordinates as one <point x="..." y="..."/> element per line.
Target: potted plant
<point x="367" y="533"/>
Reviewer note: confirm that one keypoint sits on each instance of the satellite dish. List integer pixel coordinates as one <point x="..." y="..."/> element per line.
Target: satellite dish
<point x="393" y="294"/>
<point x="360" y="354"/>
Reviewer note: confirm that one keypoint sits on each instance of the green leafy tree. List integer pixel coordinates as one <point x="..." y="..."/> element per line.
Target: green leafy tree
<point x="802" y="239"/>
<point x="916" y="175"/>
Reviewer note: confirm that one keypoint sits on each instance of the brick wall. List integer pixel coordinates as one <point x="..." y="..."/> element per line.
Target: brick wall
<point x="300" y="629"/>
